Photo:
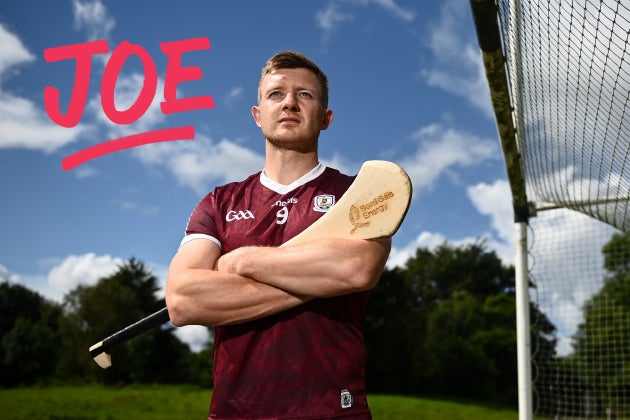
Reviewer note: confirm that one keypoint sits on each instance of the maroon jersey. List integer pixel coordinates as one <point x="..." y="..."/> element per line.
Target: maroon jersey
<point x="306" y="362"/>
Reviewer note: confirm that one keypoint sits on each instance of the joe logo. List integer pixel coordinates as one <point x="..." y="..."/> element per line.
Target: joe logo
<point x="175" y="74"/>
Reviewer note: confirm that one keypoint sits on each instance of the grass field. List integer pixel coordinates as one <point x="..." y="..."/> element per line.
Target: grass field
<point x="190" y="403"/>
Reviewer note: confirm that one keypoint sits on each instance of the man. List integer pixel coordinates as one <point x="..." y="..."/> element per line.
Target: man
<point x="289" y="320"/>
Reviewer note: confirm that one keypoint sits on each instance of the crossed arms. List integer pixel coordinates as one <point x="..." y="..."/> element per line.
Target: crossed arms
<point x="207" y="288"/>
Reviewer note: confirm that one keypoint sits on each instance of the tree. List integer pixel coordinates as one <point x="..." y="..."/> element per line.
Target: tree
<point x="445" y="324"/>
<point x="95" y="312"/>
<point x="390" y="334"/>
<point x="602" y="341"/>
<point x="28" y="335"/>
<point x="435" y="275"/>
<point x="456" y="364"/>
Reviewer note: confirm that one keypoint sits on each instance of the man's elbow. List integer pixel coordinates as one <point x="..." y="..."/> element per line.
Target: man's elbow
<point x="177" y="303"/>
<point x="365" y="280"/>
<point x="367" y="270"/>
<point x="364" y="276"/>
<point x="176" y="310"/>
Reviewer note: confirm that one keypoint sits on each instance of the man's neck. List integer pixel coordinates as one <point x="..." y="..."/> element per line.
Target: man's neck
<point x="287" y="166"/>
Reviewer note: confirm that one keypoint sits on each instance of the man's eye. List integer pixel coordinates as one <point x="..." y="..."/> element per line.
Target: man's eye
<point x="275" y="94"/>
<point x="306" y="95"/>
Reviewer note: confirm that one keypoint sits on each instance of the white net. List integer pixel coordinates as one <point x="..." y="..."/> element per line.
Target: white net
<point x="564" y="122"/>
<point x="569" y="72"/>
<point x="588" y="374"/>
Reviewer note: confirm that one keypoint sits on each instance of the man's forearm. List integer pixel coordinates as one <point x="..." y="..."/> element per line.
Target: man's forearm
<point x="321" y="268"/>
<point x="206" y="297"/>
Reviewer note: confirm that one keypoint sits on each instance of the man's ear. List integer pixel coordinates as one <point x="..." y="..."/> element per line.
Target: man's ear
<point x="328" y="119"/>
<point x="256" y="115"/>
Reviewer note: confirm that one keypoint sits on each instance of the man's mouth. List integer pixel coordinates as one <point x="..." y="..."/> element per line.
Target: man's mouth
<point x="289" y="120"/>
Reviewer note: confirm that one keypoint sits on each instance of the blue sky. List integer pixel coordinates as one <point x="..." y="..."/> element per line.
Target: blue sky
<point x="407" y="85"/>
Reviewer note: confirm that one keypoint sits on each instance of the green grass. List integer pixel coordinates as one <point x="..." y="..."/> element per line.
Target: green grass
<point x="189" y="403"/>
<point x="103" y="403"/>
<point x="390" y="407"/>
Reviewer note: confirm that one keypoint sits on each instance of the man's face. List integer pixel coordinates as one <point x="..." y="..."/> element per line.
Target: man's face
<point x="290" y="113"/>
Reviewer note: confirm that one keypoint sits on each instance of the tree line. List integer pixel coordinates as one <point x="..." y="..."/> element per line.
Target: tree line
<point x="47" y="342"/>
<point x="443" y="324"/>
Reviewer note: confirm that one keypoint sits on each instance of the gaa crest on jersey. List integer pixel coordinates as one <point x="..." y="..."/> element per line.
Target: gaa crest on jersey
<point x="233" y="215"/>
<point x="324" y="202"/>
<point x="346" y="399"/>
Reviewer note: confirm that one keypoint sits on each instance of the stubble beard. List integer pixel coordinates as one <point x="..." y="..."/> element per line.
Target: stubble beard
<point x="296" y="143"/>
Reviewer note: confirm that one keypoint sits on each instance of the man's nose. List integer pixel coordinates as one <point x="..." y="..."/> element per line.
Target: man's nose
<point x="290" y="101"/>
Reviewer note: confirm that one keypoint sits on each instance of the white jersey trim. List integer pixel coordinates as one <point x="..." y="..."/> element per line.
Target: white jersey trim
<point x="194" y="236"/>
<point x="283" y="189"/>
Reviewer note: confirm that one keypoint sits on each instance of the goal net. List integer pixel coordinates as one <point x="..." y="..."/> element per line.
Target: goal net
<point x="566" y="108"/>
<point x="587" y="374"/>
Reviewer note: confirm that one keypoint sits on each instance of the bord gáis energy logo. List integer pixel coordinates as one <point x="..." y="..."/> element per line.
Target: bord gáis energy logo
<point x="359" y="215"/>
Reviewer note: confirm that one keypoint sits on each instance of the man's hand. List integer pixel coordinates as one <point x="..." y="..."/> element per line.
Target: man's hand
<point x="228" y="263"/>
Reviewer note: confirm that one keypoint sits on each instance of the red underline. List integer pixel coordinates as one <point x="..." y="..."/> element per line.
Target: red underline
<point x="127" y="142"/>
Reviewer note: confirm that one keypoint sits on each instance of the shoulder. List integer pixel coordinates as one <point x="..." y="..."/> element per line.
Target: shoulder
<point x="253" y="179"/>
<point x="233" y="187"/>
<point x="335" y="176"/>
<point x="336" y="173"/>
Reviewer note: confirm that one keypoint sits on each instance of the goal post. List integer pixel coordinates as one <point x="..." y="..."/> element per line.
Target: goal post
<point x="485" y="17"/>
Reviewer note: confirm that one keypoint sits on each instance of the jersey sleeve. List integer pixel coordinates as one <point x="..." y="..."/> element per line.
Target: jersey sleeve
<point x="201" y="223"/>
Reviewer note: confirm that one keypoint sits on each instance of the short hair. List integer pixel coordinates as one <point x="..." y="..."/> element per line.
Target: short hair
<point x="295" y="60"/>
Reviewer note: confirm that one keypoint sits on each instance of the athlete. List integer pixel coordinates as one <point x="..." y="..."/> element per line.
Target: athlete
<point x="288" y="320"/>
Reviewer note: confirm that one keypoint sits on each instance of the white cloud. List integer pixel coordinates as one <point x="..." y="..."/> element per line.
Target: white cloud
<point x="341" y="163"/>
<point x="93" y="17"/>
<point x="332" y="17"/>
<point x="456" y="64"/>
<point x="84" y="269"/>
<point x="13" y="52"/>
<point x="201" y="163"/>
<point x="196" y="336"/>
<point x="132" y="206"/>
<point x="85" y="172"/>
<point x="23" y="124"/>
<point x="392" y="8"/>
<point x="6" y="275"/>
<point x="398" y="257"/>
<point x="428" y="240"/>
<point x="495" y="201"/>
<point x="233" y="96"/>
<point x="440" y="149"/>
